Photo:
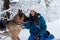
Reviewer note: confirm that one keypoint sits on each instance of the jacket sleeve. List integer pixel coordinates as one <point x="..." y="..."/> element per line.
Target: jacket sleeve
<point x="43" y="26"/>
<point x="27" y="25"/>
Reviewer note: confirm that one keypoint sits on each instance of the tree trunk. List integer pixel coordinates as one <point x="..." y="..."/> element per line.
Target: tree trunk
<point x="5" y="7"/>
<point x="6" y="4"/>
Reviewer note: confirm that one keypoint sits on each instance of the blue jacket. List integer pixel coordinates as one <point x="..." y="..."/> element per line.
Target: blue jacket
<point x="41" y="24"/>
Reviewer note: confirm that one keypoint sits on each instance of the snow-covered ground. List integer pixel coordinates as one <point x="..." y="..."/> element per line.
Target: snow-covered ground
<point x="54" y="28"/>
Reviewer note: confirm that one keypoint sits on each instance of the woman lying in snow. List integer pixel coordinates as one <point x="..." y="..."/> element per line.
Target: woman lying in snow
<point x="37" y="26"/>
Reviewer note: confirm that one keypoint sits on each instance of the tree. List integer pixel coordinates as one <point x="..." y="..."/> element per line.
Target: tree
<point x="5" y="7"/>
<point x="47" y="3"/>
<point x="6" y="4"/>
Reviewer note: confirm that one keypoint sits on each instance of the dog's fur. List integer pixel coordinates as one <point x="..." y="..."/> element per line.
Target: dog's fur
<point x="14" y="29"/>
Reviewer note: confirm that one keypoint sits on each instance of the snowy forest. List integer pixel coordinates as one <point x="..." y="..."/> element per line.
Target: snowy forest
<point x="49" y="9"/>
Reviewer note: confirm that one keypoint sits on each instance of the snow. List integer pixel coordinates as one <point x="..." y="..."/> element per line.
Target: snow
<point x="51" y="15"/>
<point x="54" y="28"/>
<point x="14" y="0"/>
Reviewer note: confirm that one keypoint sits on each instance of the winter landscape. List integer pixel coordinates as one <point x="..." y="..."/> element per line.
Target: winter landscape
<point x="51" y="14"/>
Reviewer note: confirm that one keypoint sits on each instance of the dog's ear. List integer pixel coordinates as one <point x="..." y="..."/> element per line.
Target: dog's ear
<point x="20" y="13"/>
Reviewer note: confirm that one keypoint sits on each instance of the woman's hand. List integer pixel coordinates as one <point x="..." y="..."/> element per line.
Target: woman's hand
<point x="37" y="26"/>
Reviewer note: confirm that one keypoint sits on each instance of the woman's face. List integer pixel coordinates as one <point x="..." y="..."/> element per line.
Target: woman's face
<point x="32" y="12"/>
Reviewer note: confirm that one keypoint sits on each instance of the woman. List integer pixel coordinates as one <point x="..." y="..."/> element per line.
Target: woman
<point x="36" y="24"/>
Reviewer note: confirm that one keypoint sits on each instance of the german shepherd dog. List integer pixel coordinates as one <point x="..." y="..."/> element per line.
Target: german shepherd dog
<point x="14" y="26"/>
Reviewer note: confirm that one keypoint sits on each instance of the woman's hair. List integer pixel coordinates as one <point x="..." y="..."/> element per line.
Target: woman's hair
<point x="36" y="18"/>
